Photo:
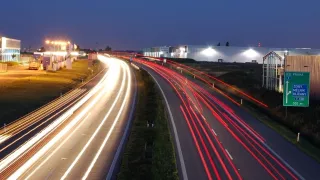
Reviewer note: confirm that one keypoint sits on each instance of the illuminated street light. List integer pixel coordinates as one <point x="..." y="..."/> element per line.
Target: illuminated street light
<point x="47" y="42"/>
<point x="251" y="53"/>
<point x="208" y="52"/>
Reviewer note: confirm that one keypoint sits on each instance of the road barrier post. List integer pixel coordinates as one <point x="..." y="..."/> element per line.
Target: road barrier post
<point x="286" y="113"/>
<point x="241" y="101"/>
<point x="298" y="137"/>
<point x="213" y="85"/>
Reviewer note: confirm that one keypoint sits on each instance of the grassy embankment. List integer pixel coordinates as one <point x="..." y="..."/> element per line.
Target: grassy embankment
<point x="26" y="94"/>
<point x="247" y="78"/>
<point x="149" y="153"/>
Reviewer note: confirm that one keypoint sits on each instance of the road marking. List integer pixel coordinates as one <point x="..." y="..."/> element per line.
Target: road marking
<point x="284" y="162"/>
<point x="124" y="102"/>
<point x="50" y="174"/>
<point x="97" y="130"/>
<point x="54" y="126"/>
<point x="65" y="140"/>
<point x="229" y="154"/>
<point x="120" y="147"/>
<point x="183" y="166"/>
<point x="3" y="138"/>
<point x="214" y="132"/>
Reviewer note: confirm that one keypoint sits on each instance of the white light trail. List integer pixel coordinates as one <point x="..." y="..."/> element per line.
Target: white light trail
<point x="127" y="96"/>
<point x="61" y="144"/>
<point x="23" y="149"/>
<point x="98" y="129"/>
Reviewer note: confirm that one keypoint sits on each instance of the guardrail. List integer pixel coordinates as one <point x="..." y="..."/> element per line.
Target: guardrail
<point x="135" y="66"/>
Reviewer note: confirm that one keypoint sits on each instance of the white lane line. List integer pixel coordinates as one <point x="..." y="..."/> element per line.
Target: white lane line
<point x="124" y="102"/>
<point x="229" y="154"/>
<point x="44" y="133"/>
<point x="63" y="142"/>
<point x="284" y="162"/>
<point x="214" y="132"/>
<point x="50" y="174"/>
<point x="125" y="135"/>
<point x="96" y="131"/>
<point x="183" y="166"/>
<point x="4" y="138"/>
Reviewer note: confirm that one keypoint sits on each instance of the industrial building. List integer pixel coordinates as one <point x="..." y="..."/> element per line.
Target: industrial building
<point x="228" y="54"/>
<point x="9" y="49"/>
<point x="272" y="59"/>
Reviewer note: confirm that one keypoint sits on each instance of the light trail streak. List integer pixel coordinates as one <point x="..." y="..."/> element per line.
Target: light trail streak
<point x="61" y="144"/>
<point x="35" y="128"/>
<point x="197" y="145"/>
<point x="126" y="98"/>
<point x="99" y="127"/>
<point x="23" y="149"/>
<point x="157" y="69"/>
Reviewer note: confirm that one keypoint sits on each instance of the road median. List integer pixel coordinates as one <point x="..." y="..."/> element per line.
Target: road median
<point x="149" y="153"/>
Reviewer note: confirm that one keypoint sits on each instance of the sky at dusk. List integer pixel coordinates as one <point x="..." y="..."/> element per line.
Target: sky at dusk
<point x="135" y="24"/>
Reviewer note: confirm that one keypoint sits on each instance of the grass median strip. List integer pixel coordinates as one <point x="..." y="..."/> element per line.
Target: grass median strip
<point x="149" y="153"/>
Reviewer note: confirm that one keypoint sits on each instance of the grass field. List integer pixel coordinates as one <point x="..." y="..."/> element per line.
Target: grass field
<point x="149" y="153"/>
<point x="26" y="93"/>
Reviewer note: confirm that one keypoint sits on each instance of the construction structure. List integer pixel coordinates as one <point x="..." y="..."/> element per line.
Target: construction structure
<point x="9" y="49"/>
<point x="272" y="71"/>
<point x="276" y="62"/>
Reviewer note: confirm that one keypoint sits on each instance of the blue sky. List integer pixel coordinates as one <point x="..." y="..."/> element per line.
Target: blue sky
<point x="134" y="24"/>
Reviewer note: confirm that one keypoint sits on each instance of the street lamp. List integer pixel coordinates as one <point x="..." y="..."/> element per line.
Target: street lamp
<point x="250" y="53"/>
<point x="209" y="52"/>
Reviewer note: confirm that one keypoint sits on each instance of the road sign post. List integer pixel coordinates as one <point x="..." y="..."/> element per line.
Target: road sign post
<point x="296" y="89"/>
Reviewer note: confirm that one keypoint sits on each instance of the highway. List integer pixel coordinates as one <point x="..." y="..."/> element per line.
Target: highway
<point x="83" y="141"/>
<point x="218" y="140"/>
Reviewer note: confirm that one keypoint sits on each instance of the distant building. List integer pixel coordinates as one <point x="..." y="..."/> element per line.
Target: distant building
<point x="9" y="49"/>
<point x="273" y="60"/>
<point x="222" y="53"/>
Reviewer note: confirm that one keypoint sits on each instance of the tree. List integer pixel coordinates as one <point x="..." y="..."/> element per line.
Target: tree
<point x="227" y="44"/>
<point x="108" y="48"/>
<point x="218" y="44"/>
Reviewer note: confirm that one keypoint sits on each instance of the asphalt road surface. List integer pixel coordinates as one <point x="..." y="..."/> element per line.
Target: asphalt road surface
<point x="86" y="143"/>
<point x="218" y="140"/>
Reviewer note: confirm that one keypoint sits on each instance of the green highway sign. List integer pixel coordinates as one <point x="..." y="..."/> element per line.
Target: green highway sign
<point x="296" y="89"/>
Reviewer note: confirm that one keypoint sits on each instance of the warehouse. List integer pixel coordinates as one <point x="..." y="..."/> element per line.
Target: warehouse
<point x="227" y="54"/>
<point x="9" y="49"/>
